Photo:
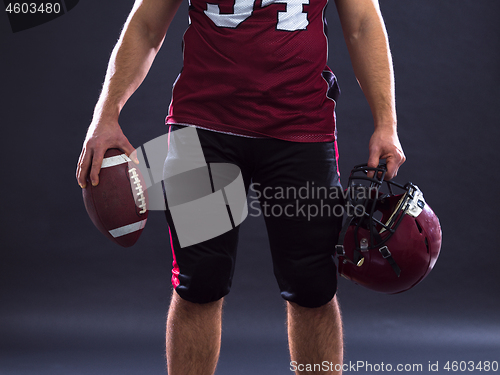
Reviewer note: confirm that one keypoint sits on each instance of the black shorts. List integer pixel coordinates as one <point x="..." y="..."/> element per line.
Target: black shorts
<point x="298" y="187"/>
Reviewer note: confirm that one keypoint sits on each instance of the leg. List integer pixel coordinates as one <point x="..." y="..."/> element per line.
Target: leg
<point x="303" y="194"/>
<point x="193" y="336"/>
<point x="315" y="336"/>
<point x="202" y="273"/>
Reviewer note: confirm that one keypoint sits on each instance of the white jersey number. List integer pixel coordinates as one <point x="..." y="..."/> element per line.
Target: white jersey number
<point x="292" y="19"/>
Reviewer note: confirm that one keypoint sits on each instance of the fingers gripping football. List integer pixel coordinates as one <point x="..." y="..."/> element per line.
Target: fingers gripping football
<point x="100" y="137"/>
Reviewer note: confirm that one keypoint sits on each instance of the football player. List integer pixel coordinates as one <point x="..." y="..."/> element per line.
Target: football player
<point x="256" y="87"/>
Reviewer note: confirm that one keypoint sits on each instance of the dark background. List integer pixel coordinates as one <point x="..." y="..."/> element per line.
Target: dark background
<point x="71" y="302"/>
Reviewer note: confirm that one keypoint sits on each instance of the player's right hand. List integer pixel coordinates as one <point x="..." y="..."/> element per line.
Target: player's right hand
<point x="101" y="136"/>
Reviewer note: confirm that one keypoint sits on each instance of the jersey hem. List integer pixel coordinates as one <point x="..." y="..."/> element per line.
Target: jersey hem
<point x="306" y="138"/>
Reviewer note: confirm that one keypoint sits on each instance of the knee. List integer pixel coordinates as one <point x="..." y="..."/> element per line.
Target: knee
<point x="310" y="299"/>
<point x="192" y="309"/>
<point x="206" y="281"/>
<point x="308" y="288"/>
<point x="328" y="307"/>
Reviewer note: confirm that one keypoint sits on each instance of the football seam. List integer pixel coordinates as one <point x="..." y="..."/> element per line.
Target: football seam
<point x="140" y="193"/>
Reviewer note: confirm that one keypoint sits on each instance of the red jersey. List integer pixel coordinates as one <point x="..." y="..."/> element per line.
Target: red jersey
<point x="257" y="68"/>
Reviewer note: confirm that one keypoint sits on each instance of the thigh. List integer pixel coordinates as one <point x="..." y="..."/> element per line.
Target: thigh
<point x="203" y="263"/>
<point x="301" y="200"/>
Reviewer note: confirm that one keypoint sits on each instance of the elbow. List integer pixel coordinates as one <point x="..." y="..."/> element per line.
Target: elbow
<point x="155" y="36"/>
<point x="355" y="34"/>
<point x="151" y="36"/>
<point x="145" y="28"/>
<point x="368" y="28"/>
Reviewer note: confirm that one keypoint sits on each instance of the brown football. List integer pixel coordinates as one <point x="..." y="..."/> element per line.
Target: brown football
<point x="118" y="205"/>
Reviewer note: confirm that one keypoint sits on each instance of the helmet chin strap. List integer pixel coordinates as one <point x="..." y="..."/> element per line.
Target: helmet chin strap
<point x="358" y="258"/>
<point x="386" y="254"/>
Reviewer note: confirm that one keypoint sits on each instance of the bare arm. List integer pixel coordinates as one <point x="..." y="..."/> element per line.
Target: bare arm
<point x="140" y="40"/>
<point x="367" y="42"/>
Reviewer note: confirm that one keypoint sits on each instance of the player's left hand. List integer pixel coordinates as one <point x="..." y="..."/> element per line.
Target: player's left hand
<point x="384" y="144"/>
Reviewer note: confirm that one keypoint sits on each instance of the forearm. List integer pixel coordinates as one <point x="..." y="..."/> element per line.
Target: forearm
<point x="127" y="68"/>
<point x="366" y="38"/>
<point x="368" y="46"/>
<point x="131" y="59"/>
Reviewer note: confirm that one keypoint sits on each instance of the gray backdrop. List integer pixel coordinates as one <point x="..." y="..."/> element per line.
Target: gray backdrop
<point x="71" y="302"/>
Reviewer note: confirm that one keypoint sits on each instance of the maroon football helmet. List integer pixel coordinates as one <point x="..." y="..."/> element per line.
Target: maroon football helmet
<point x="389" y="242"/>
